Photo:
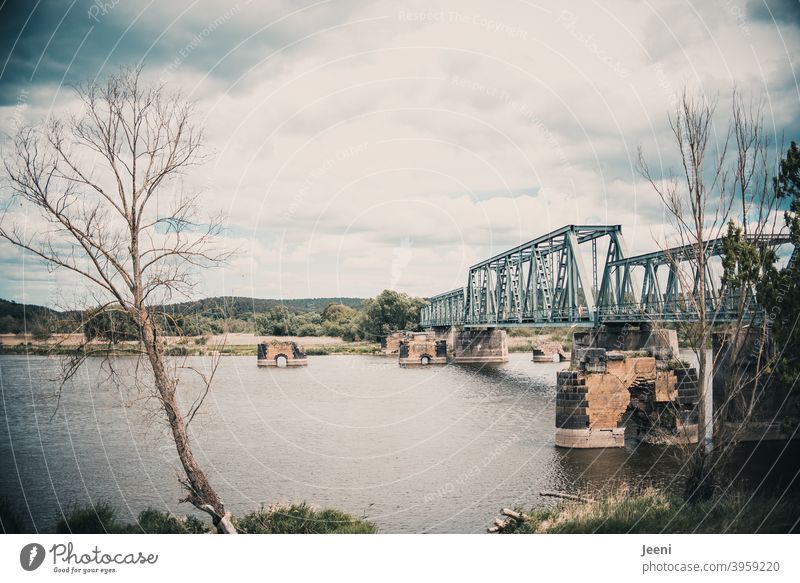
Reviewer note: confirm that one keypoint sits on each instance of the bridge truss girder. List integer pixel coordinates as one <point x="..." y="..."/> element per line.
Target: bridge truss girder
<point x="678" y="301"/>
<point x="542" y="282"/>
<point x="545" y="282"/>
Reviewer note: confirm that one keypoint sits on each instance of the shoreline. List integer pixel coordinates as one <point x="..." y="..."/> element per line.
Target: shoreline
<point x="344" y="349"/>
<point x="233" y="345"/>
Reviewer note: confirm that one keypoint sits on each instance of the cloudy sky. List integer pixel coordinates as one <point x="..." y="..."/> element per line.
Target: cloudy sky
<point x="368" y="145"/>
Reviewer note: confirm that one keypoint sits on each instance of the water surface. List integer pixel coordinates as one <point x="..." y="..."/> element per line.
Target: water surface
<point x="438" y="449"/>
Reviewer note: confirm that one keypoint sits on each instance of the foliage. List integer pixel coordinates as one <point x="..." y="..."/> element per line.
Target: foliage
<point x="154" y="522"/>
<point x="279" y="321"/>
<point x="340" y="320"/>
<point x="742" y="261"/>
<point x="388" y="312"/>
<point x="654" y="511"/>
<point x="196" y="526"/>
<point x="294" y="519"/>
<point x="779" y="289"/>
<point x="102" y="518"/>
<point x="41" y="330"/>
<point x="342" y="348"/>
<point x="97" y="519"/>
<point x="244" y="308"/>
<point x="787" y="186"/>
<point x="111" y="323"/>
<point x="302" y="519"/>
<point x="17" y="318"/>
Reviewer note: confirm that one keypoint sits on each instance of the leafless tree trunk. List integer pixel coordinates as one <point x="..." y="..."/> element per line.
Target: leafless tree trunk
<point x="751" y="186"/>
<point x="698" y="206"/>
<point x="104" y="183"/>
<point x="699" y="203"/>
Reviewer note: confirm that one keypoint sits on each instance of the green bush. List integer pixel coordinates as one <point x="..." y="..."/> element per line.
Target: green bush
<point x="302" y="519"/>
<point x="98" y="519"/>
<point x="654" y="511"/>
<point x="295" y="519"/>
<point x="196" y="526"/>
<point x="102" y="519"/>
<point x="155" y="522"/>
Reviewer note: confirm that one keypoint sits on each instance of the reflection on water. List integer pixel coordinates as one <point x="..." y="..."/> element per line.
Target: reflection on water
<point x="434" y="449"/>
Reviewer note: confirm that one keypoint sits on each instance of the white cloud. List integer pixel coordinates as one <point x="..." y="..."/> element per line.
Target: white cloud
<point x="441" y="132"/>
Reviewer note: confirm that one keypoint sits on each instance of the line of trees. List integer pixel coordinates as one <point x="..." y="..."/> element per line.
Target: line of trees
<point x="375" y="317"/>
<point x="387" y="312"/>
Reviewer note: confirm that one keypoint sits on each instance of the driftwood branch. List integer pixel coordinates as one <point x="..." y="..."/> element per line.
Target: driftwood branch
<point x="565" y="496"/>
<point x="518" y="516"/>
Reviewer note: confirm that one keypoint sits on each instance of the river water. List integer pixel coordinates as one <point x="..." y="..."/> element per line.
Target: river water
<point x="437" y="449"/>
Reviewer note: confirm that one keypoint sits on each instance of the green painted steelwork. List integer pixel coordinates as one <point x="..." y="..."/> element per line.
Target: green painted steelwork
<point x="545" y="282"/>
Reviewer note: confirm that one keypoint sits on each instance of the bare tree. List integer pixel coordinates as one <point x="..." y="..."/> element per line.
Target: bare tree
<point x="700" y="204"/>
<point x="105" y="184"/>
<point x="744" y="262"/>
<point x="697" y="205"/>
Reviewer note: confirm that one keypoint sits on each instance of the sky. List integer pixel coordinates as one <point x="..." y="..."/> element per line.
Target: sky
<point x="358" y="146"/>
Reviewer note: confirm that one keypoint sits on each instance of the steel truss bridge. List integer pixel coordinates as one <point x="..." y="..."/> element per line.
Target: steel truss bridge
<point x="579" y="274"/>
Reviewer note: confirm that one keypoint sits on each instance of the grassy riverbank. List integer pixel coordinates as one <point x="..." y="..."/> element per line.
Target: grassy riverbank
<point x="293" y="519"/>
<point x="654" y="511"/>
<point x="190" y="347"/>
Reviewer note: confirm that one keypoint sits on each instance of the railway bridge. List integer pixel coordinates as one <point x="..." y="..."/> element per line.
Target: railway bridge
<point x="624" y="362"/>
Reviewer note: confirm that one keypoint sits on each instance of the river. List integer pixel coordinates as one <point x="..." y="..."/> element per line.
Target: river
<point x="437" y="449"/>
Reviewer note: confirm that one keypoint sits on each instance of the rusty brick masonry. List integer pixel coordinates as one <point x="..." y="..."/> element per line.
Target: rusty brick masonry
<point x="422" y="349"/>
<point x="281" y="353"/>
<point x="607" y="391"/>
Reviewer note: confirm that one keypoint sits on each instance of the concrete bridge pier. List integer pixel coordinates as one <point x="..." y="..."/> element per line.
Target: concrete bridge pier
<point x="625" y="378"/>
<point x="473" y="346"/>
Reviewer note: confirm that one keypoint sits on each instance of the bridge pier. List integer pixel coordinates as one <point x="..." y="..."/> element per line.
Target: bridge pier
<point x="281" y="354"/>
<point x="422" y="349"/>
<point x="749" y="402"/>
<point x="448" y="334"/>
<point x="640" y="385"/>
<point x="473" y="346"/>
<point x="390" y="344"/>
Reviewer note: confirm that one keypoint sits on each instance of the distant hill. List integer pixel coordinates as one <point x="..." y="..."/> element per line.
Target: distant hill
<point x="243" y="307"/>
<point x="16" y="317"/>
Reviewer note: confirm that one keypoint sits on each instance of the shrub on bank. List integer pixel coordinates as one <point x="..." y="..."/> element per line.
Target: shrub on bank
<point x="97" y="519"/>
<point x="102" y="519"/>
<point x="294" y="519"/>
<point x="302" y="519"/>
<point x="654" y="511"/>
<point x="342" y="348"/>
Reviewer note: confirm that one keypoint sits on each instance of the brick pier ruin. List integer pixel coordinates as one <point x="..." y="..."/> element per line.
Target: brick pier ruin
<point x="281" y="353"/>
<point x="422" y="349"/>
<point x="625" y="379"/>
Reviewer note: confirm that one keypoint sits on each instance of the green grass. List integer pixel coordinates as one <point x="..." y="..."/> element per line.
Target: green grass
<point x="343" y="348"/>
<point x="654" y="511"/>
<point x="102" y="518"/>
<point x="302" y="519"/>
<point x="294" y="519"/>
<point x="195" y="350"/>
